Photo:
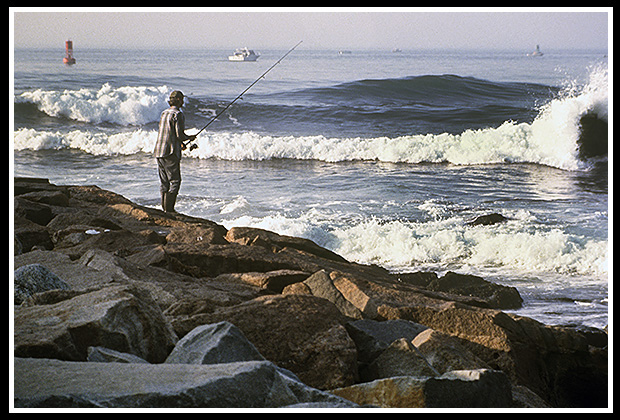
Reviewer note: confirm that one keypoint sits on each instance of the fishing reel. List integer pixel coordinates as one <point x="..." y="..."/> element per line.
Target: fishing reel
<point x="194" y="146"/>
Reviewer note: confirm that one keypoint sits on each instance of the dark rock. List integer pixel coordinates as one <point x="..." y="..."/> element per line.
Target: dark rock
<point x="24" y="185"/>
<point x="34" y="278"/>
<point x="31" y="235"/>
<point x="488" y="219"/>
<point x="303" y="334"/>
<point x="212" y="344"/>
<point x="373" y="337"/>
<point x="272" y="281"/>
<point x="420" y="278"/>
<point x="400" y="358"/>
<point x="275" y="242"/>
<point x="466" y="388"/>
<point x="593" y="136"/>
<point x="446" y="353"/>
<point x="44" y="383"/>
<point x="38" y="213"/>
<point x="52" y="198"/>
<point x="497" y="296"/>
<point x="121" y="318"/>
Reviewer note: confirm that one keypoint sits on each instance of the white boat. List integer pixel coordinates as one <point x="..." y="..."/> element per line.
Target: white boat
<point x="243" y="54"/>
<point x="536" y="53"/>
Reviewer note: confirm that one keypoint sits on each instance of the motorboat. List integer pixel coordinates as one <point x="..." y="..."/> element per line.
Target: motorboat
<point x="243" y="54"/>
<point x="536" y="53"/>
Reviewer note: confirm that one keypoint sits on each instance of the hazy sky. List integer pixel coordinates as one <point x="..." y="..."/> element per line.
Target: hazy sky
<point x="383" y="28"/>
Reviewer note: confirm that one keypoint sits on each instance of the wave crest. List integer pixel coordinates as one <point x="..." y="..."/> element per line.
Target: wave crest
<point x="126" y="105"/>
<point x="556" y="137"/>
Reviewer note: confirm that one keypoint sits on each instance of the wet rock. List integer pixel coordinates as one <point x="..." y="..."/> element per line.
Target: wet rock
<point x="275" y="242"/>
<point x="496" y="295"/>
<point x="487" y="219"/>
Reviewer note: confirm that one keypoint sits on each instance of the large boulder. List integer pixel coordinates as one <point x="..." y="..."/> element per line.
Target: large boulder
<point x="554" y="362"/>
<point x="445" y="352"/>
<point x="272" y="281"/>
<point x="44" y="383"/>
<point x="401" y="358"/>
<point x="373" y="337"/>
<point x="468" y="388"/>
<point x="303" y="334"/>
<point x="275" y="242"/>
<point x="212" y="344"/>
<point x="122" y="318"/>
<point x="498" y="296"/>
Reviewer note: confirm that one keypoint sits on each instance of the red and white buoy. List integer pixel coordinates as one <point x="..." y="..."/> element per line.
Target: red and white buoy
<point x="68" y="59"/>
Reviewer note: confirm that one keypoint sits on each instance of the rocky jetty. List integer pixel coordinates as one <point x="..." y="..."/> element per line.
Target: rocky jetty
<point x="121" y="305"/>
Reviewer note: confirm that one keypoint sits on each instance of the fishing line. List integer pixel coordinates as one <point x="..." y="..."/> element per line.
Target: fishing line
<point x="238" y="97"/>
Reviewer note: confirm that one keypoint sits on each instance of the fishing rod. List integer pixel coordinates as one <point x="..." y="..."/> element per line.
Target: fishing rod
<point x="238" y="97"/>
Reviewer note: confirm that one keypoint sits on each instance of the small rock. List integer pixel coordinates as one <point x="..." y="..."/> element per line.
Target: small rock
<point x="488" y="219"/>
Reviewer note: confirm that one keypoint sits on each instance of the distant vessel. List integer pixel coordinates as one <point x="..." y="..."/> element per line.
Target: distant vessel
<point x="344" y="52"/>
<point x="69" y="59"/>
<point x="397" y="50"/>
<point x="243" y="54"/>
<point x="536" y="53"/>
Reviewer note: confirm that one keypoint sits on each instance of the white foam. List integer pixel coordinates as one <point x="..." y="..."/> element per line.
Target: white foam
<point x="126" y="105"/>
<point x="517" y="247"/>
<point x="236" y="205"/>
<point x="96" y="143"/>
<point x="551" y="139"/>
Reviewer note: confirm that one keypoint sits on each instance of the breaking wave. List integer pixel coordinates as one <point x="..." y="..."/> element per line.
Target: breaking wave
<point x="125" y="105"/>
<point x="444" y="243"/>
<point x="565" y="132"/>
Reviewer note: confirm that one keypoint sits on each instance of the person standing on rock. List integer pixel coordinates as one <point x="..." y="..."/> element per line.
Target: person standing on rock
<point x="168" y="150"/>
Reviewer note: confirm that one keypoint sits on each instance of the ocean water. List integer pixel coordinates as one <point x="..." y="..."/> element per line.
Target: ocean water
<point x="381" y="157"/>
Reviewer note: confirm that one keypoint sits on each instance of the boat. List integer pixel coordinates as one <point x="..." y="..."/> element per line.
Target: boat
<point x="68" y="58"/>
<point x="536" y="53"/>
<point x="243" y="54"/>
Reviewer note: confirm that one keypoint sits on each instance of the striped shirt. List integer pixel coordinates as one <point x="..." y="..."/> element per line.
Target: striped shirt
<point x="171" y="133"/>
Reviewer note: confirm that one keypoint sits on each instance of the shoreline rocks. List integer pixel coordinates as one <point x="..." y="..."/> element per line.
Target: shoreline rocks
<point x="138" y="281"/>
